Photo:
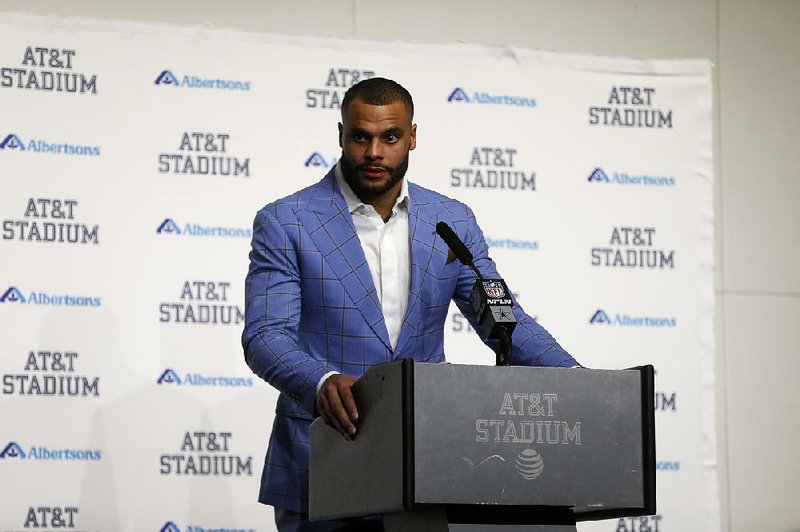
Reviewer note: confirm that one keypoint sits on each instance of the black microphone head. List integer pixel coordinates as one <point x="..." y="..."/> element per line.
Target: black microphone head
<point x="454" y="243"/>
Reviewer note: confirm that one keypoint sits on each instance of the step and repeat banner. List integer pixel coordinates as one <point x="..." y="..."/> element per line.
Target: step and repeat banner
<point x="134" y="157"/>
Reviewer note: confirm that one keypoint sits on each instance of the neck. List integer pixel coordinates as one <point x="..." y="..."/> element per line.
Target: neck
<point x="383" y="203"/>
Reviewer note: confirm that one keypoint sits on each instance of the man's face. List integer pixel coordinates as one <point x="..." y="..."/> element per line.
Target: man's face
<point x="375" y="141"/>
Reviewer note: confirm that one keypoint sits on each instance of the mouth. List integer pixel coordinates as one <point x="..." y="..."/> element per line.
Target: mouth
<point x="373" y="171"/>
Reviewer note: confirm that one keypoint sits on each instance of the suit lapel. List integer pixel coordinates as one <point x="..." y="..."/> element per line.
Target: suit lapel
<point x="329" y="223"/>
<point x="426" y="246"/>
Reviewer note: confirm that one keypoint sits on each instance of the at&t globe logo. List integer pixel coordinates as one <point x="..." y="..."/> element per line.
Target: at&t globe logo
<point x="529" y="464"/>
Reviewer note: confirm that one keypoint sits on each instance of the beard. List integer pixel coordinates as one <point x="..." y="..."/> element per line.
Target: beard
<point x="365" y="190"/>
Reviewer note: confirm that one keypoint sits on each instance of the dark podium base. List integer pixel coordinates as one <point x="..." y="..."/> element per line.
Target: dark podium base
<point x="444" y="447"/>
<point x="471" y="519"/>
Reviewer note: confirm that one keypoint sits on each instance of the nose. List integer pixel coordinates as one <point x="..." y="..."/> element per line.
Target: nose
<point x="374" y="149"/>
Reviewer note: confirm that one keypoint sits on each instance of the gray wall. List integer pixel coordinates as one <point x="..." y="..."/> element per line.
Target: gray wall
<point x="755" y="46"/>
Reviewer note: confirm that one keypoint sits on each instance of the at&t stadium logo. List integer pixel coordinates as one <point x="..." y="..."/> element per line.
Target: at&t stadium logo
<point x="51" y="373"/>
<point x="170" y="377"/>
<point x="202" y="302"/>
<point x="50" y="517"/>
<point x="51" y="220"/>
<point x="493" y="167"/>
<point x="171" y="227"/>
<point x="47" y="69"/>
<point x="12" y="141"/>
<point x="337" y="82"/>
<point x="633" y="247"/>
<point x="206" y="453"/>
<point x="459" y="95"/>
<point x="630" y="107"/>
<point x="598" y="175"/>
<point x="168" y="78"/>
<point x="316" y="160"/>
<point x="14" y="451"/>
<point x="13" y="295"/>
<point x="204" y="153"/>
<point x="601" y="317"/>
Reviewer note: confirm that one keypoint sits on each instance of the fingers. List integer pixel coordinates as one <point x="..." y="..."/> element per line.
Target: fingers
<point x="336" y="405"/>
<point x="340" y="415"/>
<point x="349" y="403"/>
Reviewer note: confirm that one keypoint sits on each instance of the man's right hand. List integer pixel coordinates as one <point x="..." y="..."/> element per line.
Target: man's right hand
<point x="336" y="405"/>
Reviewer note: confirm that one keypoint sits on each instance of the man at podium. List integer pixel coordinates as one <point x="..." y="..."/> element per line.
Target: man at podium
<point x="350" y="273"/>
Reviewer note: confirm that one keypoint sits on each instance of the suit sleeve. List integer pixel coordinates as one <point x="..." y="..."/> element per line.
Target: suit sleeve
<point x="272" y="313"/>
<point x="531" y="344"/>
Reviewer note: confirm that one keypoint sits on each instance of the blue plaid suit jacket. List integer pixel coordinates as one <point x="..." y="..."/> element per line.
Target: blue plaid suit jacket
<point x="311" y="308"/>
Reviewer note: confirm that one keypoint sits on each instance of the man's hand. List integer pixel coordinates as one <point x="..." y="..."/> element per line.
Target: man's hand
<point x="336" y="405"/>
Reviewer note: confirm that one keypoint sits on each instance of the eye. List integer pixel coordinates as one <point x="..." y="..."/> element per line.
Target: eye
<point x="359" y="137"/>
<point x="391" y="138"/>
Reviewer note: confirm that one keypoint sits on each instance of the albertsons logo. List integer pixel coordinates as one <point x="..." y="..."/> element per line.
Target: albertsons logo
<point x="318" y="161"/>
<point x="12" y="141"/>
<point x="599" y="175"/>
<point x="170" y="377"/>
<point x="601" y="317"/>
<point x="12" y="450"/>
<point x="170" y="526"/>
<point x="478" y="97"/>
<point x="170" y="227"/>
<point x="168" y="78"/>
<point x="14" y="295"/>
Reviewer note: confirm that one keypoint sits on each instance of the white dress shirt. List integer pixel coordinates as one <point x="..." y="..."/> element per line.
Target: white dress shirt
<point x="387" y="249"/>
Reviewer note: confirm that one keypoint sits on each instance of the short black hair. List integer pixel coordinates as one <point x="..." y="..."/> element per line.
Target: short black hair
<point x="378" y="91"/>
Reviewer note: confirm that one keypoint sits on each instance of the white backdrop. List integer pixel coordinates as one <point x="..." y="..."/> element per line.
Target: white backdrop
<point x="154" y="146"/>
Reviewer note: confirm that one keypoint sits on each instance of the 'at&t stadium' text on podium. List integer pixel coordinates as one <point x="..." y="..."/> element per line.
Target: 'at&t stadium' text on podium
<point x="477" y="448"/>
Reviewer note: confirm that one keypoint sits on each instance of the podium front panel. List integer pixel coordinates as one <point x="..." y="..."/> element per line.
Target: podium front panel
<point x="364" y="476"/>
<point x="528" y="436"/>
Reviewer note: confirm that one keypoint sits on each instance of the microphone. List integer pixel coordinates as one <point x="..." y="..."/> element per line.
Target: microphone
<point x="456" y="245"/>
<point x="490" y="298"/>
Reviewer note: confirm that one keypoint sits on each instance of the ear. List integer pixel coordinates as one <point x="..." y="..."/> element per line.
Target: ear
<point x="413" y="137"/>
<point x="341" y="131"/>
